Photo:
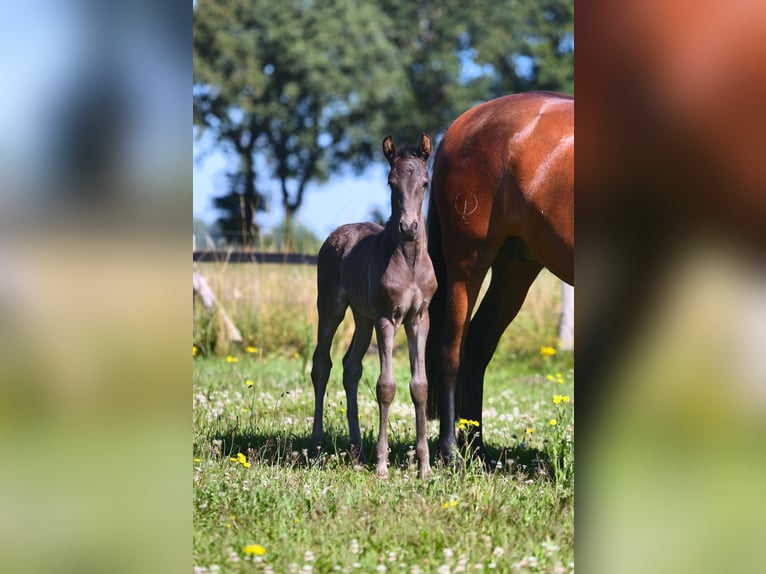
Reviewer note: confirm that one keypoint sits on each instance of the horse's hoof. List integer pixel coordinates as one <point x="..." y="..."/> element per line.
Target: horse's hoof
<point x="382" y="472"/>
<point x="315" y="451"/>
<point x="357" y="455"/>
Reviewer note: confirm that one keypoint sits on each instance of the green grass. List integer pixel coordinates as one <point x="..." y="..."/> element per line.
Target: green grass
<point x="333" y="515"/>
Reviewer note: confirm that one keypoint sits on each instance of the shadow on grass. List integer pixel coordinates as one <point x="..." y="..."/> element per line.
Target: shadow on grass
<point x="519" y="460"/>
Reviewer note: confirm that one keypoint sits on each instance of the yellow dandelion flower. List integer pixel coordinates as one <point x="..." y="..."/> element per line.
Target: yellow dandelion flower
<point x="249" y="383"/>
<point x="453" y="503"/>
<point x="565" y="398"/>
<point x="557" y="399"/>
<point x="256" y="549"/>
<point x="445" y="505"/>
<point x="196" y="460"/>
<point x="547" y="351"/>
<point x="233" y="459"/>
<point x="195" y="350"/>
<point x="550" y="378"/>
<point x="530" y="430"/>
<point x="251" y="349"/>
<point x="342" y="410"/>
<point x="465" y="423"/>
<point x="242" y="459"/>
<point x="230" y="359"/>
<point x="553" y="422"/>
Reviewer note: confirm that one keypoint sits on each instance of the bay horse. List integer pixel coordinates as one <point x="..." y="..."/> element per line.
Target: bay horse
<point x="385" y="275"/>
<point x="502" y="197"/>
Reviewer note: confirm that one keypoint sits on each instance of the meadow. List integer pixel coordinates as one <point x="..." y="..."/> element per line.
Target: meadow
<point x="260" y="503"/>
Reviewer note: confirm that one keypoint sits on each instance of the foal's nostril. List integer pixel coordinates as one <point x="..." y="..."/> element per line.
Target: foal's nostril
<point x="414" y="226"/>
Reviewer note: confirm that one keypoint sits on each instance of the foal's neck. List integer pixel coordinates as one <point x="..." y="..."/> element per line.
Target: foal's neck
<point x="411" y="250"/>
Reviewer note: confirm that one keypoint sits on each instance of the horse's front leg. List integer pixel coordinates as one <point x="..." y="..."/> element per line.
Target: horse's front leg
<point x="417" y="332"/>
<point x="385" y="389"/>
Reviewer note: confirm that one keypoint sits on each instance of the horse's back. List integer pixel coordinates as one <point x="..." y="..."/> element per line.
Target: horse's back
<point x="345" y="237"/>
<point x="505" y="168"/>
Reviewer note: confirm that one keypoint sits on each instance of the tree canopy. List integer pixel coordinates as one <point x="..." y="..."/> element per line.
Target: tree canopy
<point x="299" y="90"/>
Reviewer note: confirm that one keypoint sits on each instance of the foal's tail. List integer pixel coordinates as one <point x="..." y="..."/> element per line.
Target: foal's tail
<point x="435" y="310"/>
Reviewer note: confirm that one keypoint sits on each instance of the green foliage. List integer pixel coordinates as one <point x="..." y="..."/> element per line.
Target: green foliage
<point x="297" y="91"/>
<point x="525" y="45"/>
<point x="301" y="85"/>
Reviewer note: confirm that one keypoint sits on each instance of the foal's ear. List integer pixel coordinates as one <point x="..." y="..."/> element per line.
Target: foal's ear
<point x="388" y="149"/>
<point x="424" y="149"/>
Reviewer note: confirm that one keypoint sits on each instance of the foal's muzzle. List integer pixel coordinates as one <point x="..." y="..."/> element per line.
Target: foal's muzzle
<point x="408" y="231"/>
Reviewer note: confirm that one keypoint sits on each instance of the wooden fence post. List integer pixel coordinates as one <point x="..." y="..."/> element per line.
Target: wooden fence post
<point x="566" y="323"/>
<point x="201" y="290"/>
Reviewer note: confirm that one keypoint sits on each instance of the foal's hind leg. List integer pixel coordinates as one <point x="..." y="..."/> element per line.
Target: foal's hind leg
<point x="352" y="372"/>
<point x="331" y="304"/>
<point x="507" y="290"/>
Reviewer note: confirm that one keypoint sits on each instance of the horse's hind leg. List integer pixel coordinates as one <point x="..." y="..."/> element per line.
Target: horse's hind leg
<point x="417" y="332"/>
<point x="461" y="291"/>
<point x="508" y="288"/>
<point x="352" y="372"/>
<point x="331" y="305"/>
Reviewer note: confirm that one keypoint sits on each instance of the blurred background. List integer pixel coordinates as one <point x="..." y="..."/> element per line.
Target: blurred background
<point x="94" y="218"/>
<point x="671" y="333"/>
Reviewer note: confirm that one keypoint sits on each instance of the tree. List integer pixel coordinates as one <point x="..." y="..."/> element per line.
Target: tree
<point x="298" y="88"/>
<point x="526" y="45"/>
<point x="457" y="54"/>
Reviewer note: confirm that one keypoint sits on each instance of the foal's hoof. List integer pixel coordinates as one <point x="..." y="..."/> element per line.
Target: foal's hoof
<point x="382" y="472"/>
<point x="425" y="471"/>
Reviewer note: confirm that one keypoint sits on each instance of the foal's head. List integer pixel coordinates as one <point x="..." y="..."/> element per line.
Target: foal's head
<point x="408" y="180"/>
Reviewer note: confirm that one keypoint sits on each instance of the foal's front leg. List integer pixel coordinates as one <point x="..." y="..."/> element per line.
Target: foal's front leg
<point x="417" y="332"/>
<point x="385" y="389"/>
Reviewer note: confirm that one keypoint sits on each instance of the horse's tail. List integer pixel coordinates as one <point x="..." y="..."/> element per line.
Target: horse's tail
<point x="436" y="309"/>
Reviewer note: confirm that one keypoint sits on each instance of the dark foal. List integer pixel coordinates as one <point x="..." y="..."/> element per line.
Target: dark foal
<point x="385" y="275"/>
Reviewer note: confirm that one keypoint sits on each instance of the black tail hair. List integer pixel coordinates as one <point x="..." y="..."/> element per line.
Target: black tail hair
<point x="436" y="309"/>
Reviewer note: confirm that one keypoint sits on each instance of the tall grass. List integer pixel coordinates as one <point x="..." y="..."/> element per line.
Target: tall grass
<point x="274" y="307"/>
